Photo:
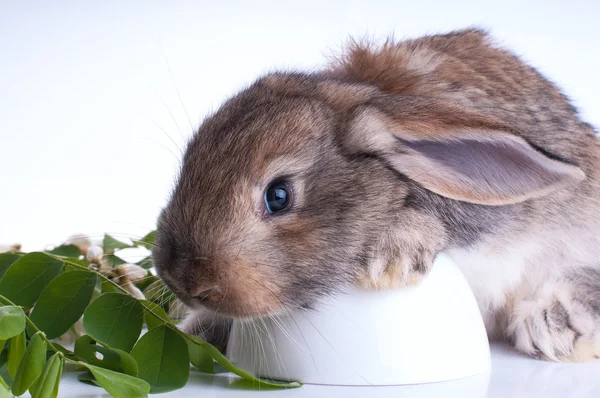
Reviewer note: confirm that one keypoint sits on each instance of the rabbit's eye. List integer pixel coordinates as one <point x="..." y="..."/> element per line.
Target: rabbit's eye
<point x="278" y="197"/>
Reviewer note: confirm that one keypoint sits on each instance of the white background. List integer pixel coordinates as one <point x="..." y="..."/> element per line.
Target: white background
<point x="85" y="87"/>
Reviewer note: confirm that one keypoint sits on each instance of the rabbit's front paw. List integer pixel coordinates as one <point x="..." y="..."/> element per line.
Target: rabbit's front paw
<point x="556" y="328"/>
<point x="399" y="270"/>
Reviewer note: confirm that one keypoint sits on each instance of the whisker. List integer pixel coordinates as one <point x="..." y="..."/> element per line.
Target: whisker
<point x="170" y="113"/>
<point x="169" y="137"/>
<point x="95" y="235"/>
<point x="272" y="339"/>
<point x="284" y="307"/>
<point x="176" y="89"/>
<point x="280" y="323"/>
<point x="162" y="145"/>
<point x="262" y="346"/>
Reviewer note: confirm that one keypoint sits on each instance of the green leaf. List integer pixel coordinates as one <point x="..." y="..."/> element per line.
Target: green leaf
<point x="88" y="378"/>
<point x="220" y="368"/>
<point x="143" y="284"/>
<point x="104" y="357"/>
<point x="16" y="350"/>
<point x="2" y="343"/>
<point x="108" y="287"/>
<point x="114" y="260"/>
<point x="157" y="317"/>
<point x="114" y="319"/>
<point x="12" y="322"/>
<point x="220" y="358"/>
<point x="200" y="358"/>
<point x="158" y="292"/>
<point x="146" y="262"/>
<point x="79" y="261"/>
<point x="265" y="384"/>
<point x="147" y="241"/>
<point x="31" y="366"/>
<point x="71" y="251"/>
<point x="67" y="353"/>
<point x="28" y="276"/>
<point x="4" y="365"/>
<point x="63" y="301"/>
<point x="6" y="260"/>
<point x="47" y="384"/>
<point x="119" y="385"/>
<point x="109" y="243"/>
<point x="162" y="357"/>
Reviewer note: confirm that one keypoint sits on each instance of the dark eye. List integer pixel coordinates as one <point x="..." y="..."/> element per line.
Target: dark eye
<point x="278" y="197"/>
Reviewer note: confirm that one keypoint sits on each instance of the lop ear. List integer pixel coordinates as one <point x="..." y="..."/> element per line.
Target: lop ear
<point x="455" y="153"/>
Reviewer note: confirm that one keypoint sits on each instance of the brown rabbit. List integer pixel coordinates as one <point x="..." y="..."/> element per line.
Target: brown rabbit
<point x="302" y="184"/>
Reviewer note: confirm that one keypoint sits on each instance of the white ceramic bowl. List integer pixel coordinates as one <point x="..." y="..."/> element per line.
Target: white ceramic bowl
<point x="428" y="333"/>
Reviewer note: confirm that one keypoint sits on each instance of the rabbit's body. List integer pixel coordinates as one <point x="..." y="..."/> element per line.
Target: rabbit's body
<point x="394" y="153"/>
<point x="523" y="259"/>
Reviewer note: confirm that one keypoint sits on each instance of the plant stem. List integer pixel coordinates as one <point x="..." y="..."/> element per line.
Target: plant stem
<point x="82" y="267"/>
<point x="166" y="323"/>
<point x="7" y="301"/>
<point x="146" y="307"/>
<point x="30" y="323"/>
<point x="37" y="330"/>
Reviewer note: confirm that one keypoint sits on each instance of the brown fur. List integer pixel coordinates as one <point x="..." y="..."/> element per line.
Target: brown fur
<point x="393" y="153"/>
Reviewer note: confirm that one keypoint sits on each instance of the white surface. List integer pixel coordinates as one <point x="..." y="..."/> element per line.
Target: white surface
<point x="83" y="82"/>
<point x="429" y="333"/>
<point x="512" y="376"/>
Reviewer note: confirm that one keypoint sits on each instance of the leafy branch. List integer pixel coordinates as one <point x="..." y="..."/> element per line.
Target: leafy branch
<point x="114" y="316"/>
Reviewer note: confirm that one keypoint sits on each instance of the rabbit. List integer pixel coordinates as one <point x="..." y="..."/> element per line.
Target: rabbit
<point x="360" y="173"/>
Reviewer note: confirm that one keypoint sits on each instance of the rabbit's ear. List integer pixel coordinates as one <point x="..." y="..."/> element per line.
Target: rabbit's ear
<point x="457" y="153"/>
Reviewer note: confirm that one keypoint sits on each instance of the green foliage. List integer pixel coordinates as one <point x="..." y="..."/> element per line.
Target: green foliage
<point x="12" y="322"/>
<point x="111" y="244"/>
<point x="154" y="315"/>
<point x="108" y="287"/>
<point x="162" y="357"/>
<point x="4" y="368"/>
<point x="47" y="384"/>
<point x="200" y="358"/>
<point x="63" y="301"/>
<point x="157" y="293"/>
<point x="146" y="262"/>
<point x="117" y="384"/>
<point x="31" y="366"/>
<point x="16" y="350"/>
<point x="220" y="358"/>
<point x="114" y="260"/>
<point x="115" y="319"/>
<point x="71" y="251"/>
<point x="109" y="358"/>
<point x="25" y="279"/>
<point x="6" y="260"/>
<point x="147" y="241"/>
<point x="45" y="295"/>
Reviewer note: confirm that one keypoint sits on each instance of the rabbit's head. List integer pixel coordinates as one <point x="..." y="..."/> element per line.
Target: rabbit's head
<point x="301" y="185"/>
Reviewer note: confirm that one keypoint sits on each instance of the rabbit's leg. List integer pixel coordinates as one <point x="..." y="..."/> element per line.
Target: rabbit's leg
<point x="560" y="321"/>
<point x="399" y="270"/>
<point x="405" y="252"/>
